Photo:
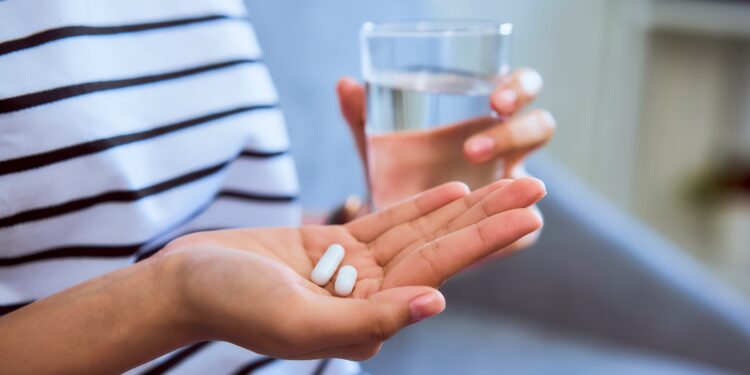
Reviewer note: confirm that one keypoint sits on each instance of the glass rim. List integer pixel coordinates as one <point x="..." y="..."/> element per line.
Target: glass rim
<point x="436" y="28"/>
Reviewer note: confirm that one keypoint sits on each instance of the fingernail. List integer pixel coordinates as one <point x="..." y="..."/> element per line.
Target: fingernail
<point x="542" y="184"/>
<point x="424" y="306"/>
<point x="505" y="100"/>
<point x="465" y="187"/>
<point x="480" y="145"/>
<point x="547" y="119"/>
<point x="531" y="82"/>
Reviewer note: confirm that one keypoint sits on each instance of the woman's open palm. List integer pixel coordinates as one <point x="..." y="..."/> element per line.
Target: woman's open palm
<point x="400" y="253"/>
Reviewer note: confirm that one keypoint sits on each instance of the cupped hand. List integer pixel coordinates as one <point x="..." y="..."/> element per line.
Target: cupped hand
<point x="515" y="136"/>
<point x="476" y="151"/>
<point x="252" y="286"/>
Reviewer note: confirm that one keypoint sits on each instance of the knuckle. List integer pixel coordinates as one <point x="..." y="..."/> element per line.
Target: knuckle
<point x="388" y="216"/>
<point x="533" y="217"/>
<point x="430" y="256"/>
<point x="383" y="328"/>
<point x="514" y="136"/>
<point x="532" y="130"/>
<point x="482" y="235"/>
<point x="546" y="120"/>
<point x="364" y="353"/>
<point x="468" y="201"/>
<point x="420" y="226"/>
<point x="486" y="206"/>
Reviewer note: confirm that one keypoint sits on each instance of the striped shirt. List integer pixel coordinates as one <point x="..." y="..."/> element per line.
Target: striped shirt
<point x="124" y="124"/>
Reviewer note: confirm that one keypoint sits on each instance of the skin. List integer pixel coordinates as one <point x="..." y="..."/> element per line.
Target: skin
<point x="511" y="139"/>
<point x="505" y="140"/>
<point x="251" y="286"/>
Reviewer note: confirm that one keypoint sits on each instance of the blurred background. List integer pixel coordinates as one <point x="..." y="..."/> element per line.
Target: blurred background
<point x="644" y="265"/>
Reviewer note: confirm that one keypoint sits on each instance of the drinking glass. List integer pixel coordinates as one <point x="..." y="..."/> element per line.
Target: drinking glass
<point x="428" y="86"/>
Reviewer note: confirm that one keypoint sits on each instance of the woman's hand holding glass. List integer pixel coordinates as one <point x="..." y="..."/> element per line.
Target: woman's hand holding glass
<point x="499" y="143"/>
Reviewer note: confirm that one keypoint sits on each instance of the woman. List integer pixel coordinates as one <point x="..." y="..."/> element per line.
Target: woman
<point x="125" y="126"/>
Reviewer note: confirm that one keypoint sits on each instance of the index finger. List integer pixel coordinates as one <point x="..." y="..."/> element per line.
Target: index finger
<point x="434" y="262"/>
<point x="425" y="228"/>
<point x="368" y="228"/>
<point x="515" y="93"/>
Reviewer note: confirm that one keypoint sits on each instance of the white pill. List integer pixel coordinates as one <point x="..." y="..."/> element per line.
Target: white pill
<point x="327" y="264"/>
<point x="345" y="280"/>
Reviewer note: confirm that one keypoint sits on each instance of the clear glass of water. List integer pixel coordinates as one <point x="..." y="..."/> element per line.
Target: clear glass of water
<point x="428" y="86"/>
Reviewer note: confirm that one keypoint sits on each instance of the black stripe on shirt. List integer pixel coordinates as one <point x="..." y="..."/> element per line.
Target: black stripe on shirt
<point x="229" y="193"/>
<point x="52" y="35"/>
<point x="7" y="309"/>
<point x="321" y="367"/>
<point x="102" y="251"/>
<point x="257" y="154"/>
<point x="254" y="365"/>
<point x="155" y="249"/>
<point x="176" y="359"/>
<point x="87" y="148"/>
<point x="111" y="196"/>
<point x="25" y="101"/>
<point x="127" y="250"/>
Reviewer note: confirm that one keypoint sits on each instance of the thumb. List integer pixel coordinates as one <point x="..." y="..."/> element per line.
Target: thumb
<point x="406" y="305"/>
<point x="375" y="319"/>
<point x="352" y="102"/>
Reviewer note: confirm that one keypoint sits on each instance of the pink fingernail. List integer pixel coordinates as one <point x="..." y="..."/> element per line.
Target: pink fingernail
<point x="531" y="82"/>
<point x="506" y="101"/>
<point x="423" y="306"/>
<point x="481" y="145"/>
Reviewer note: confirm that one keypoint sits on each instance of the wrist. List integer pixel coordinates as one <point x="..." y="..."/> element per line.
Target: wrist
<point x="177" y="313"/>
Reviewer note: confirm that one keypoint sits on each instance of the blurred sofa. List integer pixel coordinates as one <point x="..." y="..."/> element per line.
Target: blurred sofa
<point x="598" y="272"/>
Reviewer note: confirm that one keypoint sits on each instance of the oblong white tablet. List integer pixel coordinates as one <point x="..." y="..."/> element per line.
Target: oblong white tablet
<point x="327" y="264"/>
<point x="345" y="280"/>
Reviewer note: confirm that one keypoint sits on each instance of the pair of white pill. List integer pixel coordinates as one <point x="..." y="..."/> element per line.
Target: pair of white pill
<point x="326" y="267"/>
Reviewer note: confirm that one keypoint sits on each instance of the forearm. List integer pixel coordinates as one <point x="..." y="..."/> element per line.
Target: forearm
<point x="106" y="325"/>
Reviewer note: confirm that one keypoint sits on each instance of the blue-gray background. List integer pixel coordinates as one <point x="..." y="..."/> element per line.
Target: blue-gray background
<point x="309" y="45"/>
